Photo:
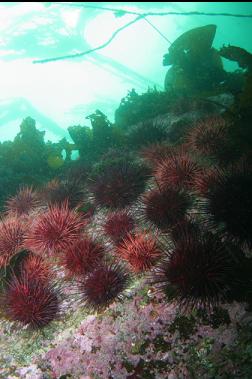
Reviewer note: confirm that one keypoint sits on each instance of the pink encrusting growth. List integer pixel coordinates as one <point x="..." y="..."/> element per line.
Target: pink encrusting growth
<point x="55" y="231"/>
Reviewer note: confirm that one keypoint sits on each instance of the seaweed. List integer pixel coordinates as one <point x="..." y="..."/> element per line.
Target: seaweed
<point x="93" y="142"/>
<point x="135" y="108"/>
<point x="196" y="65"/>
<point x="237" y="54"/>
<point x="26" y="160"/>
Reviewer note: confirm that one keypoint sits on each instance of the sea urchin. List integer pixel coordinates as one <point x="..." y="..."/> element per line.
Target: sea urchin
<point x="31" y="302"/>
<point x="55" y="231"/>
<point x="118" y="224"/>
<point x="12" y="234"/>
<point x="141" y="251"/>
<point x="83" y="256"/>
<point x="25" y="201"/>
<point x="177" y="171"/>
<point x="197" y="270"/>
<point x="104" y="285"/>
<point x="164" y="208"/>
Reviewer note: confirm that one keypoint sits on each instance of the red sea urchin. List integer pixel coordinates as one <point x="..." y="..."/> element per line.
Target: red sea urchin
<point x="197" y="270"/>
<point x="177" y="171"/>
<point x="164" y="208"/>
<point x="25" y="201"/>
<point x="104" y="285"/>
<point x="82" y="257"/>
<point x="209" y="137"/>
<point x="145" y="133"/>
<point x="141" y="251"/>
<point x="31" y="302"/>
<point x="12" y="233"/>
<point x="230" y="203"/>
<point x="37" y="268"/>
<point x="157" y="152"/>
<point x="55" y="231"/>
<point x="118" y="224"/>
<point x="204" y="180"/>
<point x="56" y="192"/>
<point x="117" y="183"/>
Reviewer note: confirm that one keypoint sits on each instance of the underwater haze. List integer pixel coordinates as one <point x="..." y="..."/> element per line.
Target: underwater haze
<point x="125" y="190"/>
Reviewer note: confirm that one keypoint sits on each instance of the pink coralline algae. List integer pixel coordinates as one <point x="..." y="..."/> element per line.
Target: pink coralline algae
<point x="116" y="343"/>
